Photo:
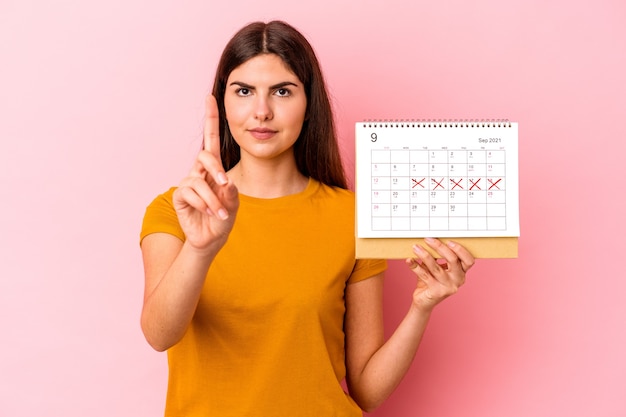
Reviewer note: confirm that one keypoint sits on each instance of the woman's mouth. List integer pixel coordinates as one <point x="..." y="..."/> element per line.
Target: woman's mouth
<point x="262" y="133"/>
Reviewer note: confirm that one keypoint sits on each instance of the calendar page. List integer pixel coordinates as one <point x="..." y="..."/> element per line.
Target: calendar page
<point x="437" y="179"/>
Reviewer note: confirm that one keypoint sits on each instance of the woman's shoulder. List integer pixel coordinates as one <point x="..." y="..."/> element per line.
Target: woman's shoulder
<point x="160" y="216"/>
<point x="164" y="198"/>
<point x="331" y="191"/>
<point x="341" y="198"/>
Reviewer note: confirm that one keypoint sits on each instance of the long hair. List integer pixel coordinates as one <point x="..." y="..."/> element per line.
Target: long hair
<point x="316" y="150"/>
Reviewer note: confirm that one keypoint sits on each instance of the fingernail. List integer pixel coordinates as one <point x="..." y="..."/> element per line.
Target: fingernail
<point x="223" y="214"/>
<point x="429" y="240"/>
<point x="222" y="178"/>
<point x="451" y="244"/>
<point x="417" y="249"/>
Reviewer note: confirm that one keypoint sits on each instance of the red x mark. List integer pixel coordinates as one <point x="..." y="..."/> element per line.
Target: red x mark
<point x="416" y="182"/>
<point x="438" y="183"/>
<point x="494" y="184"/>
<point x="475" y="184"/>
<point x="456" y="184"/>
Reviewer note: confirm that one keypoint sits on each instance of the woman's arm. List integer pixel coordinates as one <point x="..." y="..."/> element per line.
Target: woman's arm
<point x="174" y="276"/>
<point x="375" y="367"/>
<point x="206" y="203"/>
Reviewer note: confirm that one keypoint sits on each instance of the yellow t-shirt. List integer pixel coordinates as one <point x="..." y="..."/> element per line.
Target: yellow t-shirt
<point x="267" y="337"/>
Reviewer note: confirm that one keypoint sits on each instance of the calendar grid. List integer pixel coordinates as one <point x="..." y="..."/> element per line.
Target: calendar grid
<point x="443" y="179"/>
<point x="438" y="190"/>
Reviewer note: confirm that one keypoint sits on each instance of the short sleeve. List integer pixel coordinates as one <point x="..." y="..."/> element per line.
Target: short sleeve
<point x="366" y="268"/>
<point x="160" y="217"/>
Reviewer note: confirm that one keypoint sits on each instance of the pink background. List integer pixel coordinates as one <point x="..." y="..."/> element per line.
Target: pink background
<point x="101" y="108"/>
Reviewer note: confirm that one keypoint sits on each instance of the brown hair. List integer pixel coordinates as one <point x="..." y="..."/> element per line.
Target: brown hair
<point x="316" y="149"/>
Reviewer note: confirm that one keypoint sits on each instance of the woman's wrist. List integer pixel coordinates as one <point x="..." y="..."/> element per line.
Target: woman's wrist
<point x="206" y="253"/>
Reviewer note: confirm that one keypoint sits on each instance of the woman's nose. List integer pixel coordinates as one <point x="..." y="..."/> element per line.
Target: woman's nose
<point x="263" y="110"/>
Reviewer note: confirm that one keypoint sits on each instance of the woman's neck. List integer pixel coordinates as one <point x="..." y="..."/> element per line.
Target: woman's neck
<point x="267" y="179"/>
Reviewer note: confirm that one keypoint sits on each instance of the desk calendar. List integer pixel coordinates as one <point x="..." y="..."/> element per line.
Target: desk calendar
<point x="441" y="179"/>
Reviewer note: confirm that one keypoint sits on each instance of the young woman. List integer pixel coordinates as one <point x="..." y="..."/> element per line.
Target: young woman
<point x="251" y="281"/>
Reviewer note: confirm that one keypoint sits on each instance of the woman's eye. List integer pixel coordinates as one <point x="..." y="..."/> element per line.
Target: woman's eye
<point x="283" y="92"/>
<point x="243" y="91"/>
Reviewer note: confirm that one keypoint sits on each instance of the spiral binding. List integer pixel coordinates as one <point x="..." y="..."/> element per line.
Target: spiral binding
<point x="438" y="123"/>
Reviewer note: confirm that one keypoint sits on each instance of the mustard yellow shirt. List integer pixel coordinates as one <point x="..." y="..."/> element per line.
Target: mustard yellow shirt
<point x="267" y="337"/>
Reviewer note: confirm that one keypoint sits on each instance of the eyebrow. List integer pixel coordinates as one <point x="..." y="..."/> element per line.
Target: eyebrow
<point x="273" y="87"/>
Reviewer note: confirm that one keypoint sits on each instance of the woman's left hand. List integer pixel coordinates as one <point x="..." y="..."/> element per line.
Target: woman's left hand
<point x="438" y="280"/>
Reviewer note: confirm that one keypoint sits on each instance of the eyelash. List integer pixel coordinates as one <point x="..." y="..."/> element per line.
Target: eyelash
<point x="244" y="92"/>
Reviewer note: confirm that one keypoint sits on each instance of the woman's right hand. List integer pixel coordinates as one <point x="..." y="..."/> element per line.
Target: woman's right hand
<point x="206" y="201"/>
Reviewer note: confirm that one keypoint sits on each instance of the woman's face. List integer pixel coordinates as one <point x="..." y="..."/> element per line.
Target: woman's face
<point x="265" y="107"/>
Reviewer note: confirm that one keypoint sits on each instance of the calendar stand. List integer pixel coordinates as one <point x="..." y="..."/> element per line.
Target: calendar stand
<point x="393" y="248"/>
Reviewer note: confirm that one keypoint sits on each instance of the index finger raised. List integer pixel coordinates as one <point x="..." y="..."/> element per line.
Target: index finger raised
<point x="212" y="127"/>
